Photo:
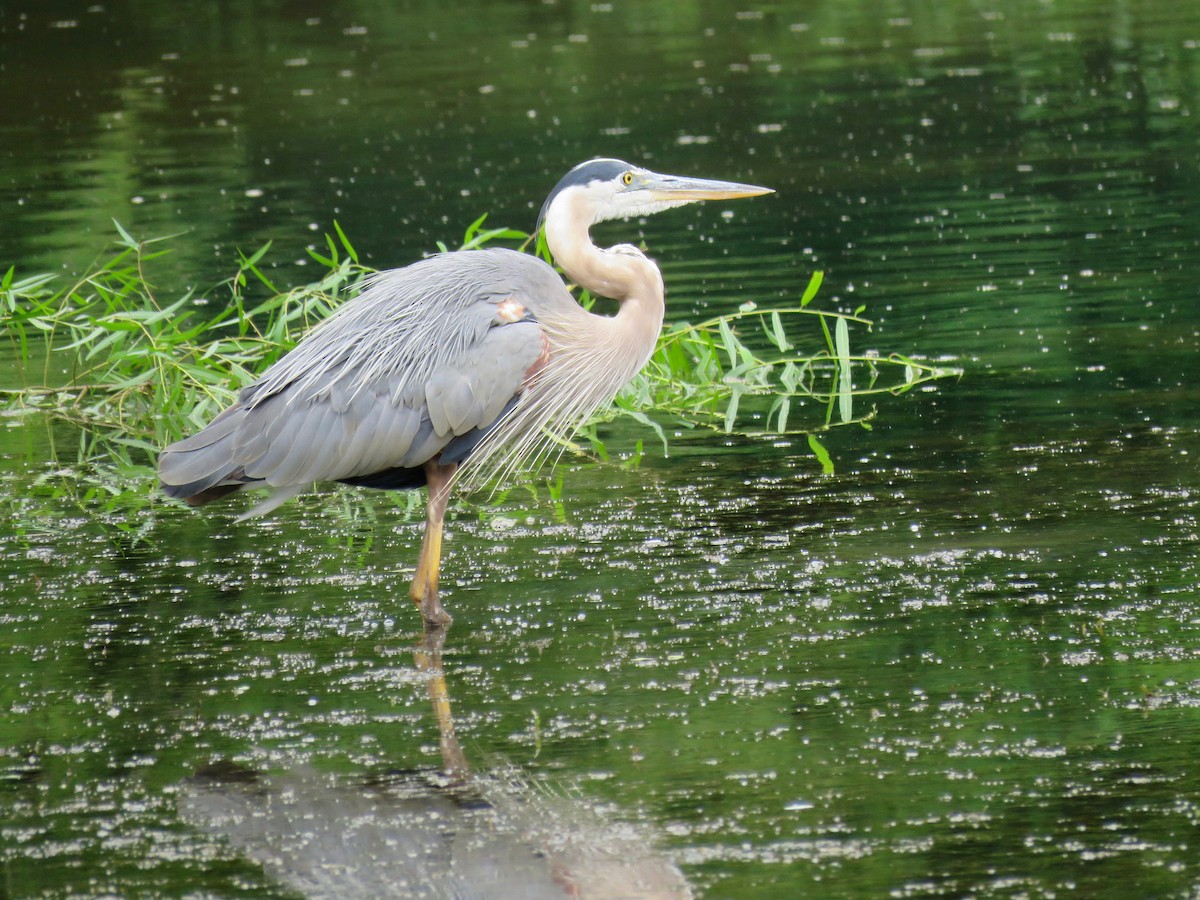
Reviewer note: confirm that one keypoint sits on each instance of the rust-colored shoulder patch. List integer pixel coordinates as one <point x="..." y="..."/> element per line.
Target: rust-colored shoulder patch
<point x="510" y="311"/>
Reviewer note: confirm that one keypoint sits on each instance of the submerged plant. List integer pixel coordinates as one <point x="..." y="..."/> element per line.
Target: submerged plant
<point x="140" y="372"/>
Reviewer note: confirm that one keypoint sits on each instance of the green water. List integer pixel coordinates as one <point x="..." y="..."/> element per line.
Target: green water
<point x="965" y="665"/>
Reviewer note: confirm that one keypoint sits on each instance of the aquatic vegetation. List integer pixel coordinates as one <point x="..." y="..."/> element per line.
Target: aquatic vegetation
<point x="133" y="371"/>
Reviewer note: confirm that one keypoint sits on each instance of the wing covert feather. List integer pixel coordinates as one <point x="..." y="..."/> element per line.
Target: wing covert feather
<point x="471" y="391"/>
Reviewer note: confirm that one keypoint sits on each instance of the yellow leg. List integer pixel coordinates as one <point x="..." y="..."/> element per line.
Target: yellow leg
<point x="424" y="590"/>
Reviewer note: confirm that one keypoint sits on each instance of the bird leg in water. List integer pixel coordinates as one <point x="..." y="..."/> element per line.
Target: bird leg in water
<point x="424" y="590"/>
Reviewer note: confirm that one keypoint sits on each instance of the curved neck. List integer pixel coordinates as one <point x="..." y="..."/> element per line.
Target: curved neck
<point x="622" y="274"/>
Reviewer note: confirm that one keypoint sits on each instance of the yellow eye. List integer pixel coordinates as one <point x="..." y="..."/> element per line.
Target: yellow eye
<point x="627" y="179"/>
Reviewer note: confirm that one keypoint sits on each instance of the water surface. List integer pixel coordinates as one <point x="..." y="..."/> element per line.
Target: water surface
<point x="965" y="665"/>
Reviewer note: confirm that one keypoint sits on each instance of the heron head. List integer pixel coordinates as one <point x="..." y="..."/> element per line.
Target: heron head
<point x="614" y="189"/>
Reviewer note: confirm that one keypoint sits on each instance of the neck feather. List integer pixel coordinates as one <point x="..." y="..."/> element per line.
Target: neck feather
<point x="621" y="274"/>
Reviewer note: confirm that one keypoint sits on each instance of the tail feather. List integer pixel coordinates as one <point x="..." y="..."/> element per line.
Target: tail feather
<point x="200" y="468"/>
<point x="206" y="456"/>
<point x="213" y="486"/>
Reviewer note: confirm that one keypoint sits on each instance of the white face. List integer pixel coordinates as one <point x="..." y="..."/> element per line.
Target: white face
<point x="628" y="196"/>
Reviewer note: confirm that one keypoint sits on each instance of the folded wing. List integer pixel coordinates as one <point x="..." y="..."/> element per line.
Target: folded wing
<point x="428" y="359"/>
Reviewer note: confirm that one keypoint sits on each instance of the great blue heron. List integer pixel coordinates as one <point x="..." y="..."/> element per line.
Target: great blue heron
<point x="464" y="364"/>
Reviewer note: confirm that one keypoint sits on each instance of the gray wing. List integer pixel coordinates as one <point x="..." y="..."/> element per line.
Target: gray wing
<point x="424" y="356"/>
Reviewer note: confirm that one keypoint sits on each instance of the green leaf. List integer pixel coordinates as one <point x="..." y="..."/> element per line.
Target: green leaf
<point x="126" y="239"/>
<point x="732" y="409"/>
<point x="323" y="260"/>
<point x="814" y="285"/>
<point x="778" y="336"/>
<point x="845" y="390"/>
<point x="790" y="377"/>
<point x="729" y="341"/>
<point x="473" y="228"/>
<point x="333" y="252"/>
<point x="822" y="455"/>
<point x="251" y="261"/>
<point x="345" y="241"/>
<point x="644" y="419"/>
<point x="781" y="409"/>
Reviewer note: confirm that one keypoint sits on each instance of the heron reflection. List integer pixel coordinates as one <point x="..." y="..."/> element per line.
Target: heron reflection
<point x="452" y="832"/>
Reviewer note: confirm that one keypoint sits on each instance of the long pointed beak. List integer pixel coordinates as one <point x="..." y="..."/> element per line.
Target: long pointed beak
<point x="672" y="188"/>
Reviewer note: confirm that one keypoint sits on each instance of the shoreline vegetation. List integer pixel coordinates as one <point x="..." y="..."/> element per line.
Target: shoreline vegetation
<point x="133" y="371"/>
